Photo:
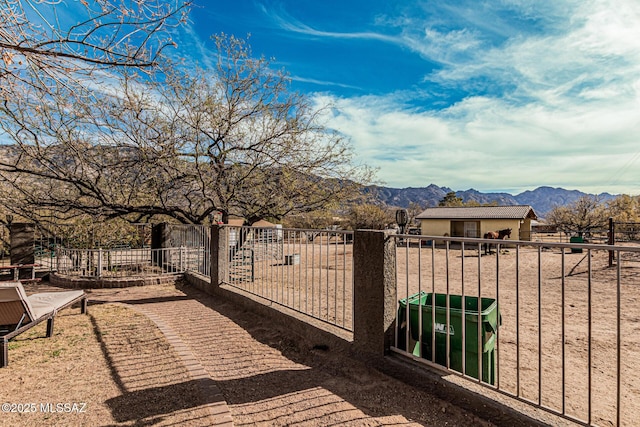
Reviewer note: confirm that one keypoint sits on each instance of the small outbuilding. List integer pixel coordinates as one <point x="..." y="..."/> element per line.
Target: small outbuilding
<point x="475" y="221"/>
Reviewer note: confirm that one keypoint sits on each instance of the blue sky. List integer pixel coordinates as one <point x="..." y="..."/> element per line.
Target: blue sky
<point x="502" y="95"/>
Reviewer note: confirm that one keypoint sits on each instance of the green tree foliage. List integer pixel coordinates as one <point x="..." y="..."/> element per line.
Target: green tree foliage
<point x="369" y="217"/>
<point x="451" y="200"/>
<point x="315" y="220"/>
<point x="85" y="232"/>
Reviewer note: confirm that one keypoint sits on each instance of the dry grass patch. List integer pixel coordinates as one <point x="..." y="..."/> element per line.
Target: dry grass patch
<point x="114" y="364"/>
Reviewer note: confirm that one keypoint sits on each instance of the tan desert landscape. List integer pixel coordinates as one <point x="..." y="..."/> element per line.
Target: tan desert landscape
<point x="578" y="287"/>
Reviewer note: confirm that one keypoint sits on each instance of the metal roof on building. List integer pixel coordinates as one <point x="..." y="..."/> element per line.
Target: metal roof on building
<point x="479" y="212"/>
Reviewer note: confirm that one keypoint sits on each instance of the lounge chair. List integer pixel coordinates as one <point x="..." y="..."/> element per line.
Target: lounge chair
<point x="19" y="312"/>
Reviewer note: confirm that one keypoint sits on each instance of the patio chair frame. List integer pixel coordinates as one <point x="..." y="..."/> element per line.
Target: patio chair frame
<point x="20" y="328"/>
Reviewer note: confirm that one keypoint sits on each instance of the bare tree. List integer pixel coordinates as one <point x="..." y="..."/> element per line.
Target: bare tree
<point x="53" y="53"/>
<point x="50" y="39"/>
<point x="414" y="209"/>
<point x="183" y="145"/>
<point x="583" y="216"/>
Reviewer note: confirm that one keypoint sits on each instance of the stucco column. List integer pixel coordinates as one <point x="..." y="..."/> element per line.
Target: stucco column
<point x="22" y="236"/>
<point x="219" y="255"/>
<point x="159" y="239"/>
<point x="374" y="292"/>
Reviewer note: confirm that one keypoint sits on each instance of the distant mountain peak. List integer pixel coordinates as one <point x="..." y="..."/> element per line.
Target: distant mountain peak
<point x="543" y="199"/>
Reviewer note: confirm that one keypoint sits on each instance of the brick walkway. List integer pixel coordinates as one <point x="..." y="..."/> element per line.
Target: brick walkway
<point x="265" y="378"/>
<point x="218" y="406"/>
<point x="159" y="303"/>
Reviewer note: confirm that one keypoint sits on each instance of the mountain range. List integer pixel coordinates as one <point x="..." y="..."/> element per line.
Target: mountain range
<point x="542" y="199"/>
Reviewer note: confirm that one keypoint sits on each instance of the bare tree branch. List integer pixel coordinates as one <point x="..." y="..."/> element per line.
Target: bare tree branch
<point x="182" y="145"/>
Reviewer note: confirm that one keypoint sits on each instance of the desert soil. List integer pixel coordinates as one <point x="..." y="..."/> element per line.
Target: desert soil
<point x="537" y="360"/>
<point x="117" y="362"/>
<point x="268" y="379"/>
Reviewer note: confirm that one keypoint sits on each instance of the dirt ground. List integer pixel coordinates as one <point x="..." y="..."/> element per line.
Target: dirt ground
<point x="566" y="311"/>
<point x="268" y="380"/>
<point x="117" y="362"/>
<point x="111" y="367"/>
<point x="577" y="290"/>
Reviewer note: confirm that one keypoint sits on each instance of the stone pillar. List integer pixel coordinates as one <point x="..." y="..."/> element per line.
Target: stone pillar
<point x="374" y="287"/>
<point x="159" y="239"/>
<point x="22" y="239"/>
<point x="219" y="255"/>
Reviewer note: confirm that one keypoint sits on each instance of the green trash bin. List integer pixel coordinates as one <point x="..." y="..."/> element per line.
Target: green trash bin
<point x="576" y="239"/>
<point x="489" y="318"/>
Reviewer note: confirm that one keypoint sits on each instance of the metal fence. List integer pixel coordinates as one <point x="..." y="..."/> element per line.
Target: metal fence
<point x="595" y="237"/>
<point x="550" y="324"/>
<point x="626" y="231"/>
<point x="118" y="263"/>
<point x="49" y="237"/>
<point x="197" y="238"/>
<point x="309" y="271"/>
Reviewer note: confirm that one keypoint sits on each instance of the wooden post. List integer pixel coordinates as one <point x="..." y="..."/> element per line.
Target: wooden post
<point x="612" y="239"/>
<point x="4" y="352"/>
<point x="50" y="326"/>
<point x="22" y="250"/>
<point x="159" y="240"/>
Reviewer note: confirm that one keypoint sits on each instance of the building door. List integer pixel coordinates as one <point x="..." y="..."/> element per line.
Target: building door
<point x="471" y="229"/>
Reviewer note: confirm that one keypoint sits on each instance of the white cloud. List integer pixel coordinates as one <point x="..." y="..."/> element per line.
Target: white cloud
<point x="489" y="144"/>
<point x="566" y="114"/>
<point x="286" y="22"/>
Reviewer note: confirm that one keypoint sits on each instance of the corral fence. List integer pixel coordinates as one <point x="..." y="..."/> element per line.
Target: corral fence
<point x="309" y="271"/>
<point x="599" y="236"/>
<point x="626" y="231"/>
<point x="549" y="324"/>
<point x="546" y="323"/>
<point x="615" y="231"/>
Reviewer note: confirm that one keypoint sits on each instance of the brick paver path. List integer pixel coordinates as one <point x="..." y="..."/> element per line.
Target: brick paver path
<point x="265" y="378"/>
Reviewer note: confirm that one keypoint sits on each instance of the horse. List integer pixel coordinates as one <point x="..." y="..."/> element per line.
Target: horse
<point x="496" y="235"/>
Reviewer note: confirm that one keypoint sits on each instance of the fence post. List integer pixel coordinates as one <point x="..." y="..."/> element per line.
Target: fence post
<point x="219" y="255"/>
<point x="374" y="292"/>
<point x="99" y="272"/>
<point x="612" y="239"/>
